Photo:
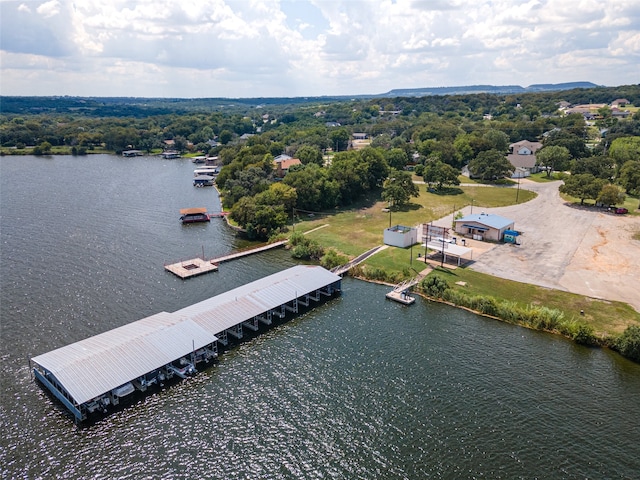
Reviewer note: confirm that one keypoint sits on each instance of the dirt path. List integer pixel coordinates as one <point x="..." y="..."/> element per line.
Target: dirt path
<point x="567" y="247"/>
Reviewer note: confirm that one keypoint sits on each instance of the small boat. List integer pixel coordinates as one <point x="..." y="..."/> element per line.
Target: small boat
<point x="194" y="215"/>
<point x="182" y="368"/>
<point x="123" y="390"/>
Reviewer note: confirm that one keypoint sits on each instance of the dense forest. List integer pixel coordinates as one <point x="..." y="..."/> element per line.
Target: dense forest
<point x="432" y="136"/>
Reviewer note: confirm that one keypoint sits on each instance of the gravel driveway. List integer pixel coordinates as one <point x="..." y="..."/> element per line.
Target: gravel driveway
<point x="567" y="247"/>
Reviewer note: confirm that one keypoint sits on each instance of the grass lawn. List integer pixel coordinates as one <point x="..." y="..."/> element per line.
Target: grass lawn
<point x="542" y="177"/>
<point x="606" y="317"/>
<point x="354" y="231"/>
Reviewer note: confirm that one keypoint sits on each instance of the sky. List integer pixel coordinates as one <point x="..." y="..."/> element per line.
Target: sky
<point x="298" y="48"/>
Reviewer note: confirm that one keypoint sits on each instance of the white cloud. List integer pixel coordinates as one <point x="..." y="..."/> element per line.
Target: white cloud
<point x="49" y="9"/>
<point x="311" y="47"/>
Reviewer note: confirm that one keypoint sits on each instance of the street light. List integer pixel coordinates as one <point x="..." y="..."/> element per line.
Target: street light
<point x="472" y="206"/>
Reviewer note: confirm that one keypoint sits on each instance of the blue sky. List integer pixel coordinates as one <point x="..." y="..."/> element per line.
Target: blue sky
<point x="275" y="48"/>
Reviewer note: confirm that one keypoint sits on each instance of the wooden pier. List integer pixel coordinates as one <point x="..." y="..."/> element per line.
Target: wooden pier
<point x="401" y="297"/>
<point x="191" y="268"/>
<point x="198" y="266"/>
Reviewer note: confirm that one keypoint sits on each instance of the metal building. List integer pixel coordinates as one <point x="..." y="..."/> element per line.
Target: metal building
<point x="93" y="374"/>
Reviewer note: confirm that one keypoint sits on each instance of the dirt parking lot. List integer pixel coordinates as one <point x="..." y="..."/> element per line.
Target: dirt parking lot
<point x="566" y="247"/>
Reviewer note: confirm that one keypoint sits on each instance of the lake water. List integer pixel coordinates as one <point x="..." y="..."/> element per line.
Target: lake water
<point x="359" y="388"/>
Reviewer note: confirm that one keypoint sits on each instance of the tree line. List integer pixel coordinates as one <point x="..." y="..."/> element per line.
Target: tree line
<point x="433" y="137"/>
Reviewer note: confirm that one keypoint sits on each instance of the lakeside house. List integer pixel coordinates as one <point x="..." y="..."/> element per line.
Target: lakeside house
<point x="283" y="163"/>
<point x="522" y="155"/>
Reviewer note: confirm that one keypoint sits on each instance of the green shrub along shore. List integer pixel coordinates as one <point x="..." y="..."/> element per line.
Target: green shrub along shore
<point x="436" y="287"/>
<point x="536" y="317"/>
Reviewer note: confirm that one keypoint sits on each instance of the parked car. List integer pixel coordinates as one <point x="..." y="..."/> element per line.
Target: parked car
<point x="621" y="211"/>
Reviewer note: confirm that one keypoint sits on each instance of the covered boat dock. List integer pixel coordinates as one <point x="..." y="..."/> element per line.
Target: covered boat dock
<point x="94" y="374"/>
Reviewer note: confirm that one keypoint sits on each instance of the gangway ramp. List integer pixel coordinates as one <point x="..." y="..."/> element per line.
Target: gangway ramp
<point x="342" y="269"/>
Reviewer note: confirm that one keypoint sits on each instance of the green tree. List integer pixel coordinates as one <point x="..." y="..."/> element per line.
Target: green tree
<point x="599" y="166"/>
<point x="497" y="139"/>
<point x="377" y="167"/>
<point x="628" y="344"/>
<point x="610" y="195"/>
<point x="399" y="188"/>
<point x="629" y="176"/>
<point x="315" y="190"/>
<point x="396" y="158"/>
<point x="278" y="194"/>
<point x="351" y="174"/>
<point x="583" y="186"/>
<point x="310" y="154"/>
<point x="225" y="137"/>
<point x="463" y="147"/>
<point x="553" y="158"/>
<point x="490" y="165"/>
<point x="439" y="173"/>
<point x="339" y="138"/>
<point x="624" y="149"/>
<point x="572" y="141"/>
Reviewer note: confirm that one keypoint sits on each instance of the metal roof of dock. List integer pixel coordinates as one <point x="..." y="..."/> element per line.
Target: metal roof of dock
<point x="228" y="309"/>
<point x="98" y="364"/>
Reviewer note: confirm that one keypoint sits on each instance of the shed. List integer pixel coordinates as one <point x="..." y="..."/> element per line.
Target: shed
<point x="400" y="236"/>
<point x="483" y="226"/>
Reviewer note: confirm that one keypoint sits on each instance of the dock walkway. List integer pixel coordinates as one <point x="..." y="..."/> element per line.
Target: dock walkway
<point x="198" y="266"/>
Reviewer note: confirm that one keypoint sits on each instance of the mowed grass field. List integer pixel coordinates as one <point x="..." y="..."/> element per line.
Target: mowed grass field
<point x="354" y="231"/>
<point x="606" y="317"/>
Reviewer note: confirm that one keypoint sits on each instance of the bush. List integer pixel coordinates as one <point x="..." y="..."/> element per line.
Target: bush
<point x="305" y="248"/>
<point x="628" y="344"/>
<point x="584" y="335"/>
<point x="434" y="286"/>
<point x="333" y="259"/>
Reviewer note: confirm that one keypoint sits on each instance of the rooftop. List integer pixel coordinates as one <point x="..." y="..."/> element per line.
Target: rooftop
<point x="489" y="219"/>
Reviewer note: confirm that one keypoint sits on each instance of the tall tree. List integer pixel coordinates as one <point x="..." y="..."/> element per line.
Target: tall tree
<point x="610" y="195"/>
<point x="396" y="158"/>
<point x="629" y="176"/>
<point x="497" y="139"/>
<point x="399" y="188"/>
<point x="439" y="173"/>
<point x="553" y="158"/>
<point x="583" y="186"/>
<point x="339" y="139"/>
<point x="490" y="165"/>
<point x="310" y="154"/>
<point x="624" y="149"/>
<point x="598" y="166"/>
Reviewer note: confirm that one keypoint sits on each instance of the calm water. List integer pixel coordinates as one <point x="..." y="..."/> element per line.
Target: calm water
<point x="358" y="388"/>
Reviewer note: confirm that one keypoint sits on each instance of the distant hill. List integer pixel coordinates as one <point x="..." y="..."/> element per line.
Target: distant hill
<point x="145" y="107"/>
<point x="496" y="89"/>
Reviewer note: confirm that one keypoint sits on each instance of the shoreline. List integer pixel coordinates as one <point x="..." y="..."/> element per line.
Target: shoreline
<point x="600" y="341"/>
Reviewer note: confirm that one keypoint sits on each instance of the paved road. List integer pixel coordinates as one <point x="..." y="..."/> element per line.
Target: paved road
<point x="567" y="247"/>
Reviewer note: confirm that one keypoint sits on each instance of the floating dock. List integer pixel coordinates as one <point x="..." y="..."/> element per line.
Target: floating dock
<point x="198" y="266"/>
<point x="95" y="374"/>
<point x="191" y="268"/>
<point x="401" y="297"/>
